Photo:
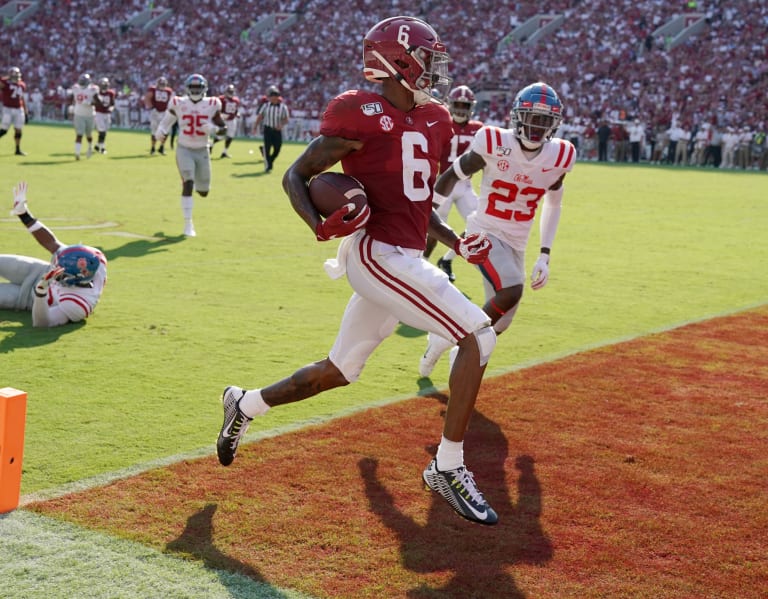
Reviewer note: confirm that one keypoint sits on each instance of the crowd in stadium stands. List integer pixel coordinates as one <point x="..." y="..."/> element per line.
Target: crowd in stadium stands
<point x="603" y="60"/>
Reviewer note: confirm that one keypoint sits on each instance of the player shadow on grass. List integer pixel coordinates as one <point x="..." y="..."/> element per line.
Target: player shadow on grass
<point x="196" y="541"/>
<point x="23" y="335"/>
<point x="478" y="556"/>
<point x="142" y="247"/>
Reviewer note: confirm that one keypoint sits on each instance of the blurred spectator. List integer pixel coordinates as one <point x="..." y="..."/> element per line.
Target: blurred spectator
<point x="603" y="137"/>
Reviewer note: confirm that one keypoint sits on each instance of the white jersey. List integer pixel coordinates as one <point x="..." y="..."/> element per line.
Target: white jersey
<point x="194" y="119"/>
<point x="77" y="303"/>
<point x="83" y="98"/>
<point x="513" y="185"/>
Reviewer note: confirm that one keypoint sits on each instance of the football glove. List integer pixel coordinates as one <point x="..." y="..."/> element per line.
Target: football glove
<point x="41" y="289"/>
<point x="336" y="224"/>
<point x="19" y="199"/>
<point x="540" y="272"/>
<point x="474" y="248"/>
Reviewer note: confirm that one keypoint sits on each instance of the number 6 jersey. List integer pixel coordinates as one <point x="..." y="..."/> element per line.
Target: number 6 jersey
<point x="513" y="185"/>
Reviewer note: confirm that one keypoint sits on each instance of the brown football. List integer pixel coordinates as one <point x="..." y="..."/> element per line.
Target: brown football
<point x="330" y="191"/>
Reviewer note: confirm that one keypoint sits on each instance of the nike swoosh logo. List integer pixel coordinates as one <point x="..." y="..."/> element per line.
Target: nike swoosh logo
<point x="432" y="123"/>
<point x="546" y="170"/>
<point x="478" y="515"/>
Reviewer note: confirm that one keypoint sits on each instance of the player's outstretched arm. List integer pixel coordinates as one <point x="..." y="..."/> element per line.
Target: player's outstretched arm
<point x="42" y="234"/>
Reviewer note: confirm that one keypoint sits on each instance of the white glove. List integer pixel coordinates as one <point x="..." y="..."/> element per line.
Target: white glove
<point x="41" y="289"/>
<point x="19" y="199"/>
<point x="540" y="272"/>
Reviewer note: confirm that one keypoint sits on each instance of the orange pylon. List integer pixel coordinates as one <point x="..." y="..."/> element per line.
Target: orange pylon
<point x="13" y="415"/>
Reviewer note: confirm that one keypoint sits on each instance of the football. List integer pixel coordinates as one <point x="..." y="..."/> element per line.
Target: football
<point x="330" y="191"/>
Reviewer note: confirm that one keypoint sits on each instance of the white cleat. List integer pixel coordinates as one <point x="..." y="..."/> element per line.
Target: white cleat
<point x="436" y="347"/>
<point x="189" y="229"/>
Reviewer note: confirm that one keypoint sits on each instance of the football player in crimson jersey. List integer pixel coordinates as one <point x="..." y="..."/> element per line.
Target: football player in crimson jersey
<point x="65" y="288"/>
<point x="199" y="117"/>
<point x="156" y="100"/>
<point x="391" y="142"/>
<point x="13" y="92"/>
<point x="104" y="103"/>
<point x="461" y="104"/>
<point x="230" y="112"/>
<point x="523" y="169"/>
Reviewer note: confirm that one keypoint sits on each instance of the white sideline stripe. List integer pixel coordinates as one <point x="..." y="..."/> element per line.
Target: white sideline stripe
<point x="110" y="477"/>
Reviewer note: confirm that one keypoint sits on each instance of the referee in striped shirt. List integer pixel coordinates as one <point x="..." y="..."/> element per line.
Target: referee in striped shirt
<point x="274" y="114"/>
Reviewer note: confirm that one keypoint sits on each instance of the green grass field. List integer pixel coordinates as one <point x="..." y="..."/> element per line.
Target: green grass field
<point x="247" y="301"/>
<point x="639" y="249"/>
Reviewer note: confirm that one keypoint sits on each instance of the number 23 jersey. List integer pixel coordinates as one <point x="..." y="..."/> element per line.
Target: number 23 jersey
<point x="513" y="185"/>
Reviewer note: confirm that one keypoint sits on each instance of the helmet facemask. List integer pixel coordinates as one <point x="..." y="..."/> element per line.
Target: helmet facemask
<point x="196" y="87"/>
<point x="396" y="48"/>
<point x="534" y="128"/>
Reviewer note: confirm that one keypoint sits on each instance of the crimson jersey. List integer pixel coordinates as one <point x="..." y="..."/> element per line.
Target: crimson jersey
<point x="462" y="137"/>
<point x="104" y="101"/>
<point x="397" y="164"/>
<point x="159" y="97"/>
<point x="230" y="107"/>
<point x="12" y="92"/>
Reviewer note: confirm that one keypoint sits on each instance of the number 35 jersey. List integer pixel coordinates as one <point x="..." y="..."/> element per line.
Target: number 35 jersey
<point x="514" y="185"/>
<point x="193" y="118"/>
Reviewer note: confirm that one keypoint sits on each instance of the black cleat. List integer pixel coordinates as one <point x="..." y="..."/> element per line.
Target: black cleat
<point x="447" y="267"/>
<point x="234" y="427"/>
<point x="458" y="488"/>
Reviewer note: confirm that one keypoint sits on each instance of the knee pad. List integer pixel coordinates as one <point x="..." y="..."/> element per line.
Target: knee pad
<point x="486" y="341"/>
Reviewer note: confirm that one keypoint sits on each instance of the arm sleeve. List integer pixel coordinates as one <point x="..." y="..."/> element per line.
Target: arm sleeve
<point x="169" y="118"/>
<point x="46" y="316"/>
<point x="550" y="216"/>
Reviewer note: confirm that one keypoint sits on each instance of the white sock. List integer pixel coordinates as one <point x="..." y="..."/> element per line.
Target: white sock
<point x="252" y="404"/>
<point x="449" y="255"/>
<point x="187" y="202"/>
<point x="77" y="148"/>
<point x="450" y="454"/>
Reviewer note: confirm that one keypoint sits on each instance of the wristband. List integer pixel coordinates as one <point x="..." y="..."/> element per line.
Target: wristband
<point x="457" y="169"/>
<point x="27" y="219"/>
<point x="545" y="251"/>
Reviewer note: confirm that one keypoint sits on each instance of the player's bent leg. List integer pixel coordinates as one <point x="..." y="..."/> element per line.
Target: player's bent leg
<point x="504" y="301"/>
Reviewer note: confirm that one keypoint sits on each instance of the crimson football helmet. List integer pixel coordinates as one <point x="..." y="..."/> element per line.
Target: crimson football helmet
<point x="461" y="103"/>
<point x="80" y="264"/>
<point x="229" y="91"/>
<point x="162" y="83"/>
<point x="14" y="74"/>
<point x="84" y="80"/>
<point x="536" y="114"/>
<point x="410" y="51"/>
<point x="196" y="86"/>
<point x="103" y="84"/>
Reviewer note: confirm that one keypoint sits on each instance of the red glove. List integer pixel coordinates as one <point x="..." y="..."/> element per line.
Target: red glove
<point x="474" y="248"/>
<point x="336" y="225"/>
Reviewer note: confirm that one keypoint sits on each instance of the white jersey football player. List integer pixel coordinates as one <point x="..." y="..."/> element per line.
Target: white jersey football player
<point x="64" y="289"/>
<point x="461" y="103"/>
<point x="84" y="112"/>
<point x="199" y="117"/>
<point x="523" y="169"/>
